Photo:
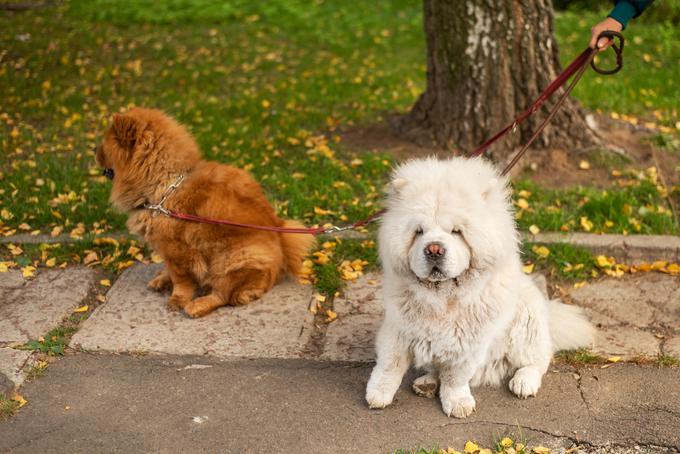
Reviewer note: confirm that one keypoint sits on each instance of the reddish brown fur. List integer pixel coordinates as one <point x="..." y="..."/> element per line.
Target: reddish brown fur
<point x="147" y="151"/>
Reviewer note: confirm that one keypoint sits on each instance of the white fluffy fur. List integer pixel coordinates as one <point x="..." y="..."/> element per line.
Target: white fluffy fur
<point x="471" y="317"/>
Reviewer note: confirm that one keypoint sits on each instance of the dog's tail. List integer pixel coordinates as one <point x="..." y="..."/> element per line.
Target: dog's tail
<point x="296" y="246"/>
<point x="569" y="327"/>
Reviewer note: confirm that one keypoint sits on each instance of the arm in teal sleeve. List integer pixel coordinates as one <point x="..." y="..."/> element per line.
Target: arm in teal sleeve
<point x="625" y="10"/>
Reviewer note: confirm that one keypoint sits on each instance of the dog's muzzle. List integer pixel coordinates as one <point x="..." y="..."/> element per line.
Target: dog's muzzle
<point x="108" y="173"/>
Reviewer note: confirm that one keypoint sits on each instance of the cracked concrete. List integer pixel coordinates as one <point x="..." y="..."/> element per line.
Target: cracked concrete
<point x="150" y="404"/>
<point x="30" y="308"/>
<point x="263" y="404"/>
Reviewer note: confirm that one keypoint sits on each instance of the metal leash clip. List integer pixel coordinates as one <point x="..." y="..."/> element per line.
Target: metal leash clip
<point x="338" y="229"/>
<point x="158" y="207"/>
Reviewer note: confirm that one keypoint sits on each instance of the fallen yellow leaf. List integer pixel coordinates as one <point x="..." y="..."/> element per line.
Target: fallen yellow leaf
<point x="584" y="165"/>
<point x="471" y="447"/>
<point x="330" y="315"/>
<point x="18" y="398"/>
<point x="603" y="262"/>
<point x="534" y="229"/>
<point x="321" y="211"/>
<point x="105" y="282"/>
<point x="528" y="269"/>
<point x="82" y="308"/>
<point x="541" y="251"/>
<point x="90" y="258"/>
<point x="541" y="450"/>
<point x="28" y="271"/>
<point x="506" y="442"/>
<point x="522" y="203"/>
<point x="614" y="359"/>
<point x="586" y="224"/>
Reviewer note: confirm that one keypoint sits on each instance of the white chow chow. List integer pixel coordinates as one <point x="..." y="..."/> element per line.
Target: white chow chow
<point x="457" y="303"/>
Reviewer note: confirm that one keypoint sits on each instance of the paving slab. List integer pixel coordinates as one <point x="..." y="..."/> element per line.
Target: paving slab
<point x="123" y="403"/>
<point x="30" y="308"/>
<point x="672" y="346"/>
<point x="12" y="362"/>
<point x="642" y="300"/>
<point x="137" y="319"/>
<point x="625" y="341"/>
<point x="351" y="337"/>
<point x="646" y="398"/>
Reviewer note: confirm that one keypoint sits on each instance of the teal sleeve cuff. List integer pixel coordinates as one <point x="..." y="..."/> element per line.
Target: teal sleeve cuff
<point x="623" y="12"/>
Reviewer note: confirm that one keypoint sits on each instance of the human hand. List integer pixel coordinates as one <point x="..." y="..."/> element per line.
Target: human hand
<point x="607" y="24"/>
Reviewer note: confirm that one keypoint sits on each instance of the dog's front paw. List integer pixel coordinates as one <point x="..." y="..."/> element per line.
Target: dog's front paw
<point x="457" y="402"/>
<point x="160" y="283"/>
<point x="378" y="397"/>
<point x="202" y="306"/>
<point x="381" y="389"/>
<point x="177" y="302"/>
<point x="526" y="382"/>
<point x="426" y="385"/>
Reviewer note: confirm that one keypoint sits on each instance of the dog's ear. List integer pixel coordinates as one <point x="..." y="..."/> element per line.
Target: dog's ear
<point x="493" y="185"/>
<point x="126" y="131"/>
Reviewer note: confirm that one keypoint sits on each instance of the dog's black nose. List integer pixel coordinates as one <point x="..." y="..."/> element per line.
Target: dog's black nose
<point x="108" y="173"/>
<point x="434" y="251"/>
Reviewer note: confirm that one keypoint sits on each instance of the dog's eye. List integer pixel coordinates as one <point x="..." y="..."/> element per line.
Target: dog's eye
<point x="419" y="231"/>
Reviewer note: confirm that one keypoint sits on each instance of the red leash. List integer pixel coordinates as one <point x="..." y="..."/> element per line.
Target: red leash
<point x="578" y="67"/>
<point x="307" y="230"/>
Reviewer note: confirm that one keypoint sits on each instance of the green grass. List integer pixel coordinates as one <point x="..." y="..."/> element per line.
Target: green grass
<point x="329" y="278"/>
<point x="638" y="206"/>
<point x="7" y="407"/>
<point x="268" y="86"/>
<point x="566" y="262"/>
<point x="112" y="254"/>
<point x="664" y="360"/>
<point x="53" y="343"/>
<point x="256" y="89"/>
<point x="579" y="357"/>
<point x="34" y="371"/>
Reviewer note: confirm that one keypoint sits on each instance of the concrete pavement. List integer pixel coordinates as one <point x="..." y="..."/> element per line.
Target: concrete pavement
<point x="271" y="377"/>
<point x="122" y="403"/>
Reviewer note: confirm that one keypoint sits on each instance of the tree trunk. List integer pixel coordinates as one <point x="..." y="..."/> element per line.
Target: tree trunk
<point x="487" y="60"/>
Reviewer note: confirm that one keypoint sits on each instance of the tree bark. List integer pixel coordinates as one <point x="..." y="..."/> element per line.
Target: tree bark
<point x="487" y="60"/>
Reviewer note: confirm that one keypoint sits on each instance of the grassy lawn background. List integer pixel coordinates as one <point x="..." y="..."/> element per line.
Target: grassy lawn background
<point x="266" y="86"/>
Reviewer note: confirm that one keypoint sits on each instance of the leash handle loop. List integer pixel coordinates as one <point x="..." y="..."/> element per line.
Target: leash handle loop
<point x="611" y="34"/>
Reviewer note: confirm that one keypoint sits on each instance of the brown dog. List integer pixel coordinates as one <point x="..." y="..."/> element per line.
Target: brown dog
<point x="145" y="152"/>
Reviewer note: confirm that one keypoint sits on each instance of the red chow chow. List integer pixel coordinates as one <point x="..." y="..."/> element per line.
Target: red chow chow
<point x="146" y="151"/>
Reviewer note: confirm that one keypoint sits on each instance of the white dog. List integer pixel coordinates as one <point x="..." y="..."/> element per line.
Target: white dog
<point x="456" y="300"/>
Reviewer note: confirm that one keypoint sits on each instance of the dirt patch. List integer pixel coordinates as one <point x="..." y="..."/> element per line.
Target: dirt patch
<point x="627" y="147"/>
